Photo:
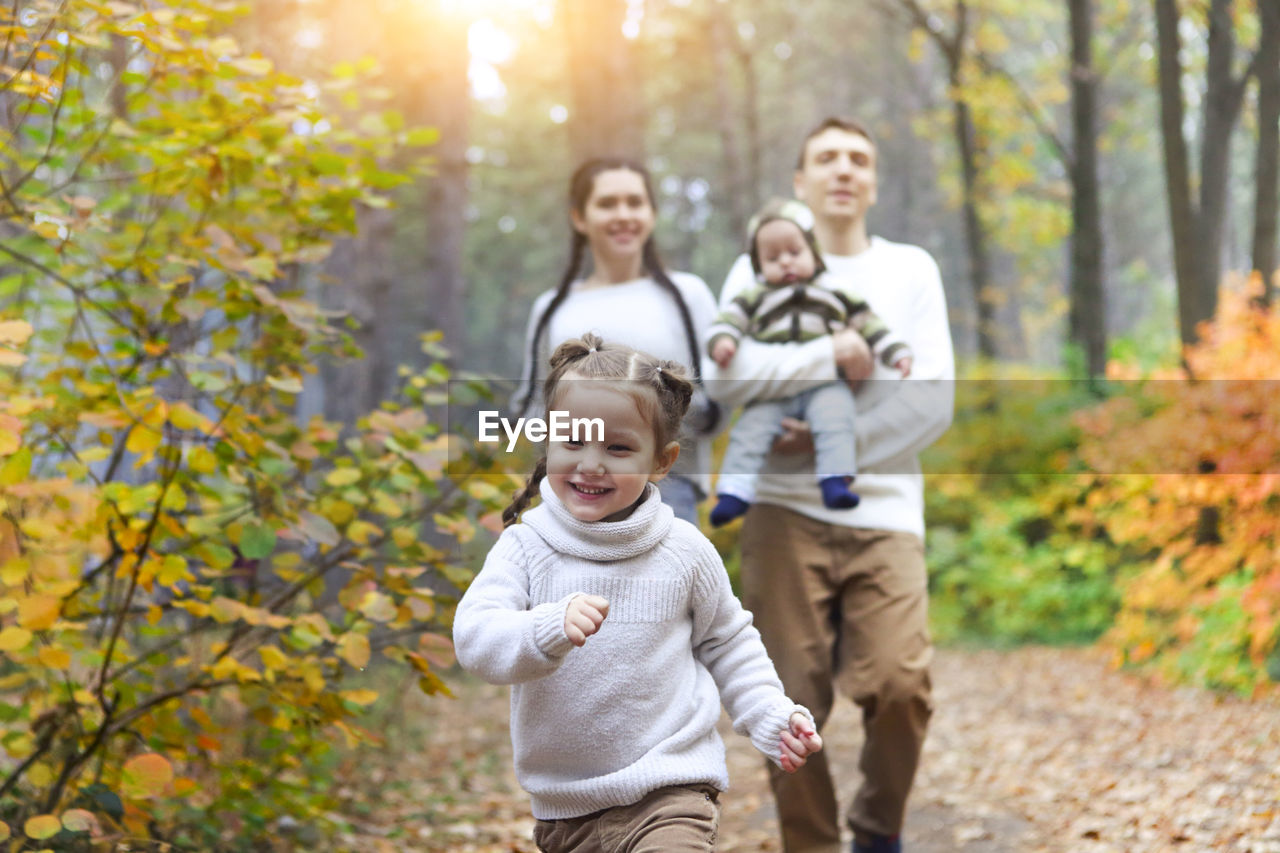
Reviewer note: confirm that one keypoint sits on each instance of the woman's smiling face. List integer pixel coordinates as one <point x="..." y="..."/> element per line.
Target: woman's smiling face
<point x="600" y="478"/>
<point x="618" y="216"/>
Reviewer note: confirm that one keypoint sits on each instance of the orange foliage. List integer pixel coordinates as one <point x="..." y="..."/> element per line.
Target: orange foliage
<point x="1192" y="477"/>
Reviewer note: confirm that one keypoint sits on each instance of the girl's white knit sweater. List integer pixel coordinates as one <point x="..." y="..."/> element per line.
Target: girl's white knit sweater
<point x="635" y="709"/>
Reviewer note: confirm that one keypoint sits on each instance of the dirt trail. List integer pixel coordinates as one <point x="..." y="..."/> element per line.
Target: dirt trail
<point x="1029" y="750"/>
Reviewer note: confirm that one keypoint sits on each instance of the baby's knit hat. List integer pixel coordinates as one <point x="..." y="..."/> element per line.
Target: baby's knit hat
<point x="782" y="208"/>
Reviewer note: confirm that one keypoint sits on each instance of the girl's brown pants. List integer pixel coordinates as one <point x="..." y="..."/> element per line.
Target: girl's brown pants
<point x="675" y="819"/>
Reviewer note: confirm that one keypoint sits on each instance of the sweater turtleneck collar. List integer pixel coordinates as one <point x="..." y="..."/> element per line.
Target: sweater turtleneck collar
<point x="602" y="541"/>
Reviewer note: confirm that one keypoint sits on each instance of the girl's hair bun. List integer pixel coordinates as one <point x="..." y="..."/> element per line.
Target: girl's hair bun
<point x="575" y="349"/>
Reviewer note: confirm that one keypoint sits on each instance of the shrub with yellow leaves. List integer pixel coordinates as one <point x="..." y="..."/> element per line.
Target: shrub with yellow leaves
<point x="191" y="578"/>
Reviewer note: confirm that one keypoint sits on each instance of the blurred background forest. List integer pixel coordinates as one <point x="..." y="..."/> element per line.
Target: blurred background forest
<point x="1045" y="153"/>
<point x="1096" y="178"/>
<point x="226" y="521"/>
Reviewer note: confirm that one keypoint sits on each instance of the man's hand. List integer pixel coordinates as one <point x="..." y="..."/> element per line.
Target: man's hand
<point x="799" y="742"/>
<point x="724" y="350"/>
<point x="853" y="356"/>
<point x="796" y="437"/>
<point x="583" y="617"/>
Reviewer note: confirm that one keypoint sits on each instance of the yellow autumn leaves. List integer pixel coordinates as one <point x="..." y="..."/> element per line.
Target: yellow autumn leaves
<point x="147" y="434"/>
<point x="186" y="561"/>
<point x="13" y="333"/>
<point x="34" y="613"/>
<point x="143" y="777"/>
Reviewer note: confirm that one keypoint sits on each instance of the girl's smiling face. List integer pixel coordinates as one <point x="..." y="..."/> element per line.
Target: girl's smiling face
<point x="600" y="478"/>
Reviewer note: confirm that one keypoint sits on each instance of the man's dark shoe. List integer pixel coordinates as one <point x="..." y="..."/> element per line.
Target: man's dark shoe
<point x="879" y="844"/>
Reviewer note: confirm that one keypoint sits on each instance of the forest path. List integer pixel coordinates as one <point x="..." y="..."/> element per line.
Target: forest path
<point x="1034" y="749"/>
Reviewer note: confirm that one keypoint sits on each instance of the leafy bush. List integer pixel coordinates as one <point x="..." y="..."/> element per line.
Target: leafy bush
<point x="1027" y="569"/>
<point x="1206" y="606"/>
<point x="189" y="575"/>
<point x="1012" y="555"/>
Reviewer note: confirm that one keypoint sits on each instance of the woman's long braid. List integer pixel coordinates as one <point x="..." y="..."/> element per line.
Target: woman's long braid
<point x="522" y="499"/>
<point x="653" y="266"/>
<point x="576" y="250"/>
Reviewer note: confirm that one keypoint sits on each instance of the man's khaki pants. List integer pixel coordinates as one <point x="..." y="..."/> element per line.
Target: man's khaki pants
<point x="843" y="607"/>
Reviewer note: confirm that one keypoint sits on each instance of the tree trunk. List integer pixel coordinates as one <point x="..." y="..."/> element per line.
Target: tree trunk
<point x="1182" y="213"/>
<point x="953" y="48"/>
<point x="1088" y="314"/>
<point x="1266" y="174"/>
<point x="737" y="203"/>
<point x="607" y="116"/>
<point x="1198" y="224"/>
<point x="986" y="301"/>
<point x="974" y="233"/>
<point x="359" y="281"/>
<point x="445" y="106"/>
<point x="392" y="304"/>
<point x="1222" y="102"/>
<point x="118" y="97"/>
<point x="751" y="116"/>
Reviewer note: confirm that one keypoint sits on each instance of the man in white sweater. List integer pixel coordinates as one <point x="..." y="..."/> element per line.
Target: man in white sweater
<point x="840" y="596"/>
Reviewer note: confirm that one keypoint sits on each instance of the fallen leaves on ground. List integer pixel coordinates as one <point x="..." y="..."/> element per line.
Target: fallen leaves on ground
<point x="1096" y="761"/>
<point x="1029" y="750"/>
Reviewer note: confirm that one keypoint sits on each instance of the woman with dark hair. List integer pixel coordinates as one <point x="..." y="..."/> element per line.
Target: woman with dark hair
<point x="626" y="295"/>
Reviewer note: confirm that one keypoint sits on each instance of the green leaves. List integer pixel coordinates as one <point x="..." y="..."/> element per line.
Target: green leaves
<point x="16" y="468"/>
<point x="257" y="541"/>
<point x="169" y="526"/>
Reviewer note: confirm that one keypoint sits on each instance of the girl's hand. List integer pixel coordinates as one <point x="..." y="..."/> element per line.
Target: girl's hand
<point x="904" y="366"/>
<point x="583" y="617"/>
<point x="799" y="742"/>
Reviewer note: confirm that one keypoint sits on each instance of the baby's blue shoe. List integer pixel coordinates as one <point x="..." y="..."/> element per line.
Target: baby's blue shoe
<point x="836" y="494"/>
<point x="728" y="508"/>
